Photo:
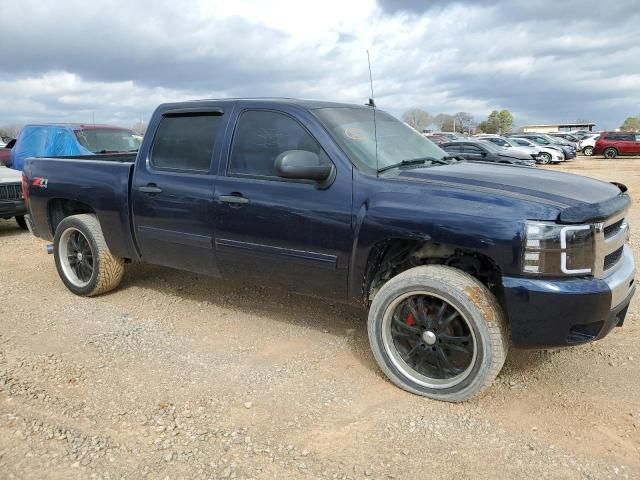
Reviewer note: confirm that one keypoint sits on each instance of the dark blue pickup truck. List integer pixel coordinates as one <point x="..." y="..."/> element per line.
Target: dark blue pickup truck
<point x="455" y="260"/>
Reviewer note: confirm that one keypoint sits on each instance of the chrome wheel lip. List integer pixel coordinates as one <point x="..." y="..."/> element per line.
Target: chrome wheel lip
<point x="408" y="371"/>
<point x="63" y="256"/>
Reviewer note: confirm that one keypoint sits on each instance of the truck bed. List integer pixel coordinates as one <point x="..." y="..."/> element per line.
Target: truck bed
<point x="100" y="182"/>
<point x="129" y="157"/>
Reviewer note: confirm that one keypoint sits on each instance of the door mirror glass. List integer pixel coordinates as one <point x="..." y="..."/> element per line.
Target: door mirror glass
<point x="302" y="165"/>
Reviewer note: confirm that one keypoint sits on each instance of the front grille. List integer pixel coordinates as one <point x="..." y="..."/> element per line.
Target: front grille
<point x="11" y="191"/>
<point x="613" y="258"/>
<point x="611" y="230"/>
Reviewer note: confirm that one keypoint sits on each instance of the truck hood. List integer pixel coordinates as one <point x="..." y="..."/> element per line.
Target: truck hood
<point x="7" y="175"/>
<point x="562" y="190"/>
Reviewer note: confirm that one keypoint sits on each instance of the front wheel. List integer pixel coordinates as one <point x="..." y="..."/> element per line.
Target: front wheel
<point x="83" y="260"/>
<point x="544" y="158"/>
<point x="438" y="332"/>
<point x="588" y="151"/>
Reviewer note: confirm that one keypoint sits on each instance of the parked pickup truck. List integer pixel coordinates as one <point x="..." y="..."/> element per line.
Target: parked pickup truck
<point x="454" y="260"/>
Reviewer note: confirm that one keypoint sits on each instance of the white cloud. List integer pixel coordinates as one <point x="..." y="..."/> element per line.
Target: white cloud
<point x="68" y="60"/>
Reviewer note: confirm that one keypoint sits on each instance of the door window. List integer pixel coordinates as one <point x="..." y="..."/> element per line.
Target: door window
<point x="185" y="142"/>
<point x="261" y="136"/>
<point x="452" y="148"/>
<point x="472" y="150"/>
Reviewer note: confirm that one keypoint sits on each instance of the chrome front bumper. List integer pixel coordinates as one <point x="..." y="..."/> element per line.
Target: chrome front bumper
<point x="621" y="281"/>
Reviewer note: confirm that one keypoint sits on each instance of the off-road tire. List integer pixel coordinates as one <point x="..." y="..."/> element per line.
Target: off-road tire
<point x="471" y="298"/>
<point x="107" y="268"/>
<point x="610" y="153"/>
<point x="22" y="223"/>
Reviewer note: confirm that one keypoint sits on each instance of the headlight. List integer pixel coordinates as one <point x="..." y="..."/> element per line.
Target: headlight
<point x="558" y="250"/>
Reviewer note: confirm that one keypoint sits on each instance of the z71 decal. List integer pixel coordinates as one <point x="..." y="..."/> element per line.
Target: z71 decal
<point x="40" y="182"/>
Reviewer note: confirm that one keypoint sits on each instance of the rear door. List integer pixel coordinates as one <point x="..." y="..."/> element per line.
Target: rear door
<point x="627" y="143"/>
<point x="172" y="191"/>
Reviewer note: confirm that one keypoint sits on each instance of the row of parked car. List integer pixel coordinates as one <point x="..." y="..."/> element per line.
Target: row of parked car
<point x="547" y="148"/>
<point x="523" y="149"/>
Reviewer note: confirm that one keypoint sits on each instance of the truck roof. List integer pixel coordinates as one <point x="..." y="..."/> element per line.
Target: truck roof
<point x="306" y="104"/>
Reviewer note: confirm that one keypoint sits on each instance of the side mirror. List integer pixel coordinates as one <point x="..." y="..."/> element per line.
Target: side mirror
<point x="484" y="154"/>
<point x="302" y="165"/>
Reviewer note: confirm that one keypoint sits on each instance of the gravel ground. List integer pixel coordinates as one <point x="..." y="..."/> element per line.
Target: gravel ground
<point x="176" y="376"/>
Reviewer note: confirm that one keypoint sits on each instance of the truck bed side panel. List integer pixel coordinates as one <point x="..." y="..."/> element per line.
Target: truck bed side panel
<point x="102" y="185"/>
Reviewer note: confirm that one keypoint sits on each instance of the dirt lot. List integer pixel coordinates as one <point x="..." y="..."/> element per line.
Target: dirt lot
<point x="176" y="376"/>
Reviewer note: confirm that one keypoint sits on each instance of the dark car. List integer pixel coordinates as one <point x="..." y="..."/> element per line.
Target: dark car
<point x="484" y="151"/>
<point x="612" y="144"/>
<point x="455" y="261"/>
<point x="567" y="136"/>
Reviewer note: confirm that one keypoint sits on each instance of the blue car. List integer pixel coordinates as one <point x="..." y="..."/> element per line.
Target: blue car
<point x="63" y="140"/>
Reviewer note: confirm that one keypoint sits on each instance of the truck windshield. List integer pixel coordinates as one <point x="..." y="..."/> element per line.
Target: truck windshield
<point x="108" y="140"/>
<point x="353" y="129"/>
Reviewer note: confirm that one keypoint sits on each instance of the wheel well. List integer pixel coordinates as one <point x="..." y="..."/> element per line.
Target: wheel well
<point x="59" y="209"/>
<point x="391" y="257"/>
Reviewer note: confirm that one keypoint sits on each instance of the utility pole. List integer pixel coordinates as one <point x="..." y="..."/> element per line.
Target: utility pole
<point x="454" y="124"/>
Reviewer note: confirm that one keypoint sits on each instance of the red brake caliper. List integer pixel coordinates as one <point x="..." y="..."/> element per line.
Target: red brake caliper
<point x="412" y="321"/>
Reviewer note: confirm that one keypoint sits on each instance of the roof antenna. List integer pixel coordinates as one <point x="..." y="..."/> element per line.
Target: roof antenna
<point x="372" y="104"/>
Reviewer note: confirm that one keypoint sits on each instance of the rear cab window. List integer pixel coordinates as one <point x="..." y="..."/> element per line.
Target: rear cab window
<point x="185" y="142"/>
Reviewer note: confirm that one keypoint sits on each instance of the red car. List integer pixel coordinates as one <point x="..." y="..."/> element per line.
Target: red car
<point x="612" y="144"/>
<point x="5" y="153"/>
<point x="437" y="139"/>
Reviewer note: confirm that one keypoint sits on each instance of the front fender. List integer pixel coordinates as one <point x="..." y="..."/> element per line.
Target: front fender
<point x="478" y="222"/>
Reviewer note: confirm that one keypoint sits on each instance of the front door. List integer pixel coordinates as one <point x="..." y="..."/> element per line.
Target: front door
<point x="283" y="233"/>
<point x="173" y="192"/>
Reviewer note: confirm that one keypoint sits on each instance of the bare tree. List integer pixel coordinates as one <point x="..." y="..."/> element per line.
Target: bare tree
<point x="416" y="118"/>
<point x="10" y="131"/>
<point x="464" y="122"/>
<point x="139" y="127"/>
<point x="444" y="121"/>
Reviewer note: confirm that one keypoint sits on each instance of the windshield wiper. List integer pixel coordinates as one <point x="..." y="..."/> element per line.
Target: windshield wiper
<point x="414" y="161"/>
<point x="420" y="161"/>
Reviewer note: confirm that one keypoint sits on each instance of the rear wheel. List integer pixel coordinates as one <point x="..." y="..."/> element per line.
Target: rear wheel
<point x="438" y="332"/>
<point x="610" y="153"/>
<point x="544" y="158"/>
<point x="588" y="151"/>
<point x="22" y="223"/>
<point x="83" y="260"/>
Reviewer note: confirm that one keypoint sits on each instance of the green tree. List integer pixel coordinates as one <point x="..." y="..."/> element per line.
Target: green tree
<point x="506" y="121"/>
<point x="497" y="122"/>
<point x="631" y="124"/>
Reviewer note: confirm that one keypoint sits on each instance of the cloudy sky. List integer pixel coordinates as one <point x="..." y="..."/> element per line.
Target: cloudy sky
<point x="545" y="60"/>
